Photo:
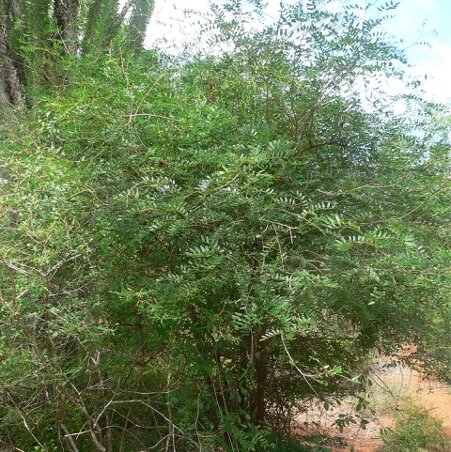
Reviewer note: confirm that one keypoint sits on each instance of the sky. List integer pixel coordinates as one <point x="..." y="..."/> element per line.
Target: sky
<point x="428" y="20"/>
<point x="414" y="21"/>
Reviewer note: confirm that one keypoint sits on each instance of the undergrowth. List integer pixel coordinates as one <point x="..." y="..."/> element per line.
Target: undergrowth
<point x="415" y="430"/>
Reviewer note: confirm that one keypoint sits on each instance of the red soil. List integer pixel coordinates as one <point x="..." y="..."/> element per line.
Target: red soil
<point x="391" y="385"/>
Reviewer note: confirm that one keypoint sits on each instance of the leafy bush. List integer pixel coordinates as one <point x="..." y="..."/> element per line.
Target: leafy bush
<point x="191" y="248"/>
<point x="415" y="431"/>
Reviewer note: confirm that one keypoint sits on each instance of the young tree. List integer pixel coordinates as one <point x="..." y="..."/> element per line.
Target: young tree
<point x="194" y="249"/>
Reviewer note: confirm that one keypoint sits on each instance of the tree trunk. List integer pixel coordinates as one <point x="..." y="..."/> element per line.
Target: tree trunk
<point x="142" y="11"/>
<point x="28" y="38"/>
<point x="92" y="20"/>
<point x="10" y="81"/>
<point x="261" y="374"/>
<point x="66" y="15"/>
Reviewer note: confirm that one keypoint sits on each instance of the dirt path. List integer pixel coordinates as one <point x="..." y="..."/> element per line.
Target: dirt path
<point x="391" y="386"/>
<point x="431" y="394"/>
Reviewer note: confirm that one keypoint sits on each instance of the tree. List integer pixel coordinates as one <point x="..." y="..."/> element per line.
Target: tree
<point x="138" y="23"/>
<point x="196" y="248"/>
<point x="10" y="82"/>
<point x="36" y="35"/>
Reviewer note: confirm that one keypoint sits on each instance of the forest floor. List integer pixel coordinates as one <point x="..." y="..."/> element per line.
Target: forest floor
<point x="391" y="388"/>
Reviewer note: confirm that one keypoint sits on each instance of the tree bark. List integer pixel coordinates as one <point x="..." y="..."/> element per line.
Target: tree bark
<point x="66" y="15"/>
<point x="28" y="63"/>
<point x="10" y="81"/>
<point x="261" y="373"/>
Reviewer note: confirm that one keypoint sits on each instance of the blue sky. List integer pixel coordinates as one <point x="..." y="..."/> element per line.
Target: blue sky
<point x="415" y="20"/>
<point x="427" y="20"/>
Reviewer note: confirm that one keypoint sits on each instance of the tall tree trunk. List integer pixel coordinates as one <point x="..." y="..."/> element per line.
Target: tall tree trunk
<point x="4" y="100"/>
<point x="142" y="11"/>
<point x="103" y="22"/>
<point x="67" y="15"/>
<point x="10" y="80"/>
<point x="28" y="61"/>
<point x="39" y="63"/>
<point x="92" y="22"/>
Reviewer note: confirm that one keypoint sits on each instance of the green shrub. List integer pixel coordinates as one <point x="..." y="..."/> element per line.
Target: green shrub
<point x="189" y="249"/>
<point x="415" y="431"/>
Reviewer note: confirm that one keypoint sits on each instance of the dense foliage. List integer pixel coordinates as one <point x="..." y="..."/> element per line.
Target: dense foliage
<point x="35" y="34"/>
<point x="192" y="248"/>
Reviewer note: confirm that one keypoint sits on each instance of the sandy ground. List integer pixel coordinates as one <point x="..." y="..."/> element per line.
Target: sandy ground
<point x="390" y="386"/>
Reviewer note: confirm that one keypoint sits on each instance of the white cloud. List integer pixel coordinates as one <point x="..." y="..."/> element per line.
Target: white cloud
<point x="435" y="73"/>
<point x="169" y="23"/>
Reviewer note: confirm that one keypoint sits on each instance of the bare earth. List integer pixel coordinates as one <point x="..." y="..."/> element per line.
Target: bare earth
<point x="390" y="386"/>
